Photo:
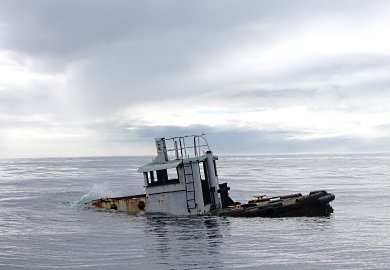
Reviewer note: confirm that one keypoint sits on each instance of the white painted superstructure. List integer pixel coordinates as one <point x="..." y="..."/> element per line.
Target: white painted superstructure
<point x="181" y="179"/>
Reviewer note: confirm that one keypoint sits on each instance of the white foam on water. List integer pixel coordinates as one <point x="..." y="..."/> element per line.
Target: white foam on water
<point x="96" y="192"/>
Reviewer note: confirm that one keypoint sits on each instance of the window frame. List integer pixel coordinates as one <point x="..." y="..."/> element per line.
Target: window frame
<point x="162" y="177"/>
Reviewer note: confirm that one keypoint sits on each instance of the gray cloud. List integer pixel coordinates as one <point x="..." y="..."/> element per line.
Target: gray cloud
<point x="281" y="75"/>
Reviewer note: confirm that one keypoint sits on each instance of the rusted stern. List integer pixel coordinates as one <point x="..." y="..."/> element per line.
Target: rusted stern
<point x="132" y="204"/>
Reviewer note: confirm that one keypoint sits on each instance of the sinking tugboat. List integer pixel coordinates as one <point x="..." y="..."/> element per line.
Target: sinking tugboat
<point x="182" y="180"/>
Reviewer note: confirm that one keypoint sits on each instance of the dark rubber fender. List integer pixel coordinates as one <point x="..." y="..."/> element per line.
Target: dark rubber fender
<point x="310" y="198"/>
<point x="318" y="191"/>
<point x="113" y="206"/>
<point x="328" y="198"/>
<point x="290" y="196"/>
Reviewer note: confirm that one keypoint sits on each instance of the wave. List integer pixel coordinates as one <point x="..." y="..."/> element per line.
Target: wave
<point x="97" y="191"/>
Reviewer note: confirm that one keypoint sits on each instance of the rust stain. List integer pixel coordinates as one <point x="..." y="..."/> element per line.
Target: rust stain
<point x="126" y="204"/>
<point x="198" y="211"/>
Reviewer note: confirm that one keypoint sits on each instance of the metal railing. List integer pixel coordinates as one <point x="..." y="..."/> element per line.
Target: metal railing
<point x="184" y="147"/>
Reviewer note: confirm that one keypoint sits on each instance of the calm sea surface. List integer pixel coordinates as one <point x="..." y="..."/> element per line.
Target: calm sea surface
<point x="44" y="224"/>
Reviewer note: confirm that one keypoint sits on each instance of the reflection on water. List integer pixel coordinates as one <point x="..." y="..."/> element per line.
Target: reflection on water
<point x="315" y="223"/>
<point x="186" y="242"/>
<point x="213" y="242"/>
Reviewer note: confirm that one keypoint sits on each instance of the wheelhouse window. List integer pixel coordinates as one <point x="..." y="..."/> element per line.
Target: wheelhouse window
<point x="162" y="177"/>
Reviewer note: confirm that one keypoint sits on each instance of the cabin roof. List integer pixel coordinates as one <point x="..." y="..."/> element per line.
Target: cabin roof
<point x="154" y="166"/>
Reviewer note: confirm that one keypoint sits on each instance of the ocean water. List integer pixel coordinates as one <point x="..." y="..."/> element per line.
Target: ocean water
<point x="45" y="225"/>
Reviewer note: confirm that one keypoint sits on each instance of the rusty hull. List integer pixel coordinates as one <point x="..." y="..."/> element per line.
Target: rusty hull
<point x="131" y="204"/>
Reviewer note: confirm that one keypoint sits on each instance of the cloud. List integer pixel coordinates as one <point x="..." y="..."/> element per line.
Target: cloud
<point x="93" y="74"/>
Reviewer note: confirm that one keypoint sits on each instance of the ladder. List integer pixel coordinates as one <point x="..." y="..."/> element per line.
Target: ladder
<point x="190" y="186"/>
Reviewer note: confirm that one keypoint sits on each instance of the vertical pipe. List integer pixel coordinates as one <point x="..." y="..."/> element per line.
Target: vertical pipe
<point x="185" y="148"/>
<point x="195" y="152"/>
<point x="176" y="150"/>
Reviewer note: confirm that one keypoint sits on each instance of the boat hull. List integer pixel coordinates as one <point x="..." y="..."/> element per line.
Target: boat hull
<point x="295" y="205"/>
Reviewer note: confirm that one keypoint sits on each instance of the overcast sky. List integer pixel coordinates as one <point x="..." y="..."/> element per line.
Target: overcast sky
<point x="85" y="78"/>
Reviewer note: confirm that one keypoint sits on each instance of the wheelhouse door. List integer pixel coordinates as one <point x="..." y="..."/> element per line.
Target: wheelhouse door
<point x="204" y="177"/>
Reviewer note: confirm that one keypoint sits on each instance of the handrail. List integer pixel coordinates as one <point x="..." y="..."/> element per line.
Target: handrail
<point x="181" y="144"/>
